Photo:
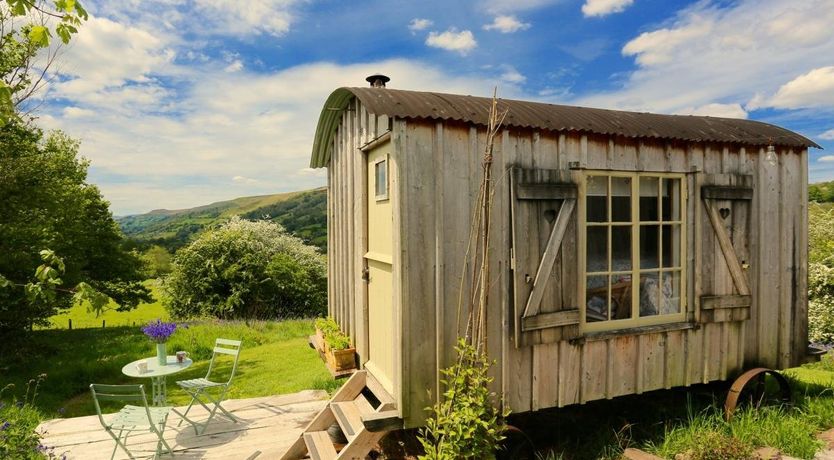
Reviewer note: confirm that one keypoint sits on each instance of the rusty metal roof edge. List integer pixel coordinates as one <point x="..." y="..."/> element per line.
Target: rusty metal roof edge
<point x="549" y="117"/>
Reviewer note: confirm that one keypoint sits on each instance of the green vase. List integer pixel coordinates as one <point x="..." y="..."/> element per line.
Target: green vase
<point x="161" y="354"/>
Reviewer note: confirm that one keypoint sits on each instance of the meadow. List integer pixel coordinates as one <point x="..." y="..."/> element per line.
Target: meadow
<point x="275" y="358"/>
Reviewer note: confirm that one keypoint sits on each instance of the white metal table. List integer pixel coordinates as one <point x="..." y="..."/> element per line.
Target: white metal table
<point x="157" y="374"/>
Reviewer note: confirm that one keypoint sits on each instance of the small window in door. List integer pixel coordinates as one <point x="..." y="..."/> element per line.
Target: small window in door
<point x="381" y="175"/>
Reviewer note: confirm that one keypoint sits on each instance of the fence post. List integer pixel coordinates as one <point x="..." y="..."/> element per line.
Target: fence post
<point x="69" y="320"/>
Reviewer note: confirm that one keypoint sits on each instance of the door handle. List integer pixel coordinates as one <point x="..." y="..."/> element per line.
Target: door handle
<point x="366" y="275"/>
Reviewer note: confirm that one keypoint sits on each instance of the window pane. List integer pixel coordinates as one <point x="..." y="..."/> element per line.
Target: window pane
<point x="596" y="297"/>
<point x="671" y="246"/>
<point x="649" y="246"/>
<point x="597" y="249"/>
<point x="620" y="248"/>
<point x="597" y="198"/>
<point x="671" y="293"/>
<point x="648" y="199"/>
<point x="621" y="199"/>
<point x="649" y="294"/>
<point x="621" y="290"/>
<point x="671" y="199"/>
<point x="381" y="178"/>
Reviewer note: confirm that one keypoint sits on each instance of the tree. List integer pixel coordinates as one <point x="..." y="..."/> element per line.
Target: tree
<point x="251" y="270"/>
<point x="47" y="203"/>
<point x="20" y="43"/>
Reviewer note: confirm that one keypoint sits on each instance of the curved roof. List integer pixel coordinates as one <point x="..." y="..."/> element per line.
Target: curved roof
<point x="550" y="117"/>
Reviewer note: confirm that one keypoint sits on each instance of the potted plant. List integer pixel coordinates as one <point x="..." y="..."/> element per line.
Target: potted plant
<point x="338" y="353"/>
<point x="159" y="333"/>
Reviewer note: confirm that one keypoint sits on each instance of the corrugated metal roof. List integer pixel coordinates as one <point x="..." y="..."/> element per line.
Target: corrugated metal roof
<point x="551" y="117"/>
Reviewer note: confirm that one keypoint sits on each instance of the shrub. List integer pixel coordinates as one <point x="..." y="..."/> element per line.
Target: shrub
<point x="465" y="424"/>
<point x="19" y="438"/>
<point x="250" y="270"/>
<point x="821" y="273"/>
<point x="719" y="446"/>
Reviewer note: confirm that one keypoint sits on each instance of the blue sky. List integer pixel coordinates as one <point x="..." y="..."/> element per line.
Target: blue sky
<point x="180" y="103"/>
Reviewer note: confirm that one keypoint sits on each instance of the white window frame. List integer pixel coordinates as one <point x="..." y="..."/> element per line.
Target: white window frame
<point x="635" y="320"/>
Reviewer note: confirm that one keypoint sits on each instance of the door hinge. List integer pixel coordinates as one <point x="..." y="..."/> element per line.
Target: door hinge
<point x="366" y="275"/>
<point x="512" y="259"/>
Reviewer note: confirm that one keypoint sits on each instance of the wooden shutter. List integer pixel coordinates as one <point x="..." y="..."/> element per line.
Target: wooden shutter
<point x="543" y="215"/>
<point x="725" y="247"/>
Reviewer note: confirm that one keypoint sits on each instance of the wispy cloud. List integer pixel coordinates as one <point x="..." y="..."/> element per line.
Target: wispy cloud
<point x="418" y="24"/>
<point x="452" y="40"/>
<point x="507" y="24"/>
<point x="827" y="136"/>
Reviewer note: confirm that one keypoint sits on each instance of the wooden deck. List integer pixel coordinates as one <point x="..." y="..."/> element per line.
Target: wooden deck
<point x="268" y="426"/>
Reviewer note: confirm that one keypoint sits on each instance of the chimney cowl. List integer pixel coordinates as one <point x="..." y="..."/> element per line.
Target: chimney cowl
<point x="377" y="80"/>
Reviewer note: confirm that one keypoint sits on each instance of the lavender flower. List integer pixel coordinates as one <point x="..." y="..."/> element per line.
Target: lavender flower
<point x="158" y="331"/>
<point x="5" y="426"/>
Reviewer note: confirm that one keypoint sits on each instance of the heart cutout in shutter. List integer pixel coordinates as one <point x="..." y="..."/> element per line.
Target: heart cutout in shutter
<point x="724" y="212"/>
<point x="550" y="215"/>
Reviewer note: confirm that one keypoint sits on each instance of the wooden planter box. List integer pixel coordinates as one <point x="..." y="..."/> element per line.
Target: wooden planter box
<point x="340" y="363"/>
<point x="341" y="360"/>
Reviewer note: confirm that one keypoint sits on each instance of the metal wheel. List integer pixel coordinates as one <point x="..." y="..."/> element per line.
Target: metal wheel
<point x="751" y="388"/>
<point x="516" y="446"/>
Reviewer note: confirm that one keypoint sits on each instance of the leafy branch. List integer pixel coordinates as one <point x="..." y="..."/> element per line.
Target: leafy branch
<point x="47" y="282"/>
<point x="69" y="15"/>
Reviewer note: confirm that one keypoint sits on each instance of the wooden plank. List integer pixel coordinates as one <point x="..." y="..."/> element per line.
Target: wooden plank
<point x="726" y="301"/>
<point x="545" y="376"/>
<point x="548" y="320"/>
<point x="739" y="278"/>
<point x="768" y="263"/>
<point x="546" y="191"/>
<point x="348" y="417"/>
<point x="549" y="257"/>
<point x="378" y="391"/>
<point x="388" y="420"/>
<point x="717" y="192"/>
<point x="799" y="309"/>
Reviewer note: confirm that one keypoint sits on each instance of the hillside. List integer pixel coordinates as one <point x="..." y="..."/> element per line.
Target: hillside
<point x="302" y="213"/>
<point x="821" y="192"/>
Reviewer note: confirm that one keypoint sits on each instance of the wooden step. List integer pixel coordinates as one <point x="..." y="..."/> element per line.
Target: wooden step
<point x="319" y="445"/>
<point x="363" y="405"/>
<point x="349" y="418"/>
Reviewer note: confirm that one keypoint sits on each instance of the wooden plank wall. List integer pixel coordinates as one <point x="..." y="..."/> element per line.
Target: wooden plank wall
<point x="440" y="175"/>
<point x="346" y="221"/>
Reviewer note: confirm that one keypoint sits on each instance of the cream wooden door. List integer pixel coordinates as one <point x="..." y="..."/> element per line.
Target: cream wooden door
<point x="379" y="260"/>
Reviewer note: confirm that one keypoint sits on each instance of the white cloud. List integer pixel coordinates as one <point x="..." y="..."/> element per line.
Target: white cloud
<point x="418" y="24"/>
<point x="604" y="7"/>
<point x="507" y="24"/>
<point x="256" y="126"/>
<point x="245" y="180"/>
<point x="826" y="159"/>
<point x="722" y="52"/>
<point x="716" y="110"/>
<point x="812" y="89"/>
<point x="511" y="75"/>
<point x="234" y="66"/>
<point x="204" y="17"/>
<point x="827" y="136"/>
<point x="451" y="40"/>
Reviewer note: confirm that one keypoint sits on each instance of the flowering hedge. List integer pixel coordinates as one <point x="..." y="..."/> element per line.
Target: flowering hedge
<point x="251" y="270"/>
<point x="821" y="273"/>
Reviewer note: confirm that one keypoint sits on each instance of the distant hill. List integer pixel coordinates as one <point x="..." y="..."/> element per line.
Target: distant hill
<point x="302" y="213"/>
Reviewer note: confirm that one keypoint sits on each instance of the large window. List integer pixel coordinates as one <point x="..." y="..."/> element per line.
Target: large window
<point x="633" y="241"/>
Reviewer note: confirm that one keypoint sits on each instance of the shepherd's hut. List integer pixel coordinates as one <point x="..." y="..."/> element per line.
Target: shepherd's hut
<point x="631" y="252"/>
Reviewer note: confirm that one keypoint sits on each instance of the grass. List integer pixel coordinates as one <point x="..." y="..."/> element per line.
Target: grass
<point x="275" y="360"/>
<point x="669" y="422"/>
<point x="142" y="314"/>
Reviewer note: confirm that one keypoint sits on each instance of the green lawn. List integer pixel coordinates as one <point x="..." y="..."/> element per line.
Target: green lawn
<point x="275" y="360"/>
<point x="142" y="314"/>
